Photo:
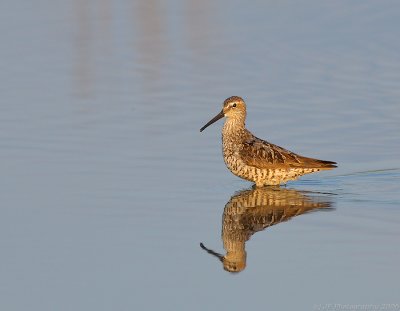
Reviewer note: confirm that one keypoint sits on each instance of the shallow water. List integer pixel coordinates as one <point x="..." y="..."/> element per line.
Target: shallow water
<point x="108" y="187"/>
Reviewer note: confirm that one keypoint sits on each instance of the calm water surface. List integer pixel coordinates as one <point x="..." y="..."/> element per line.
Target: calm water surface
<point x="108" y="187"/>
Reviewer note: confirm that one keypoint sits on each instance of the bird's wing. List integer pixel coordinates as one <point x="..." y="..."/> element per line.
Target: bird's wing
<point x="262" y="154"/>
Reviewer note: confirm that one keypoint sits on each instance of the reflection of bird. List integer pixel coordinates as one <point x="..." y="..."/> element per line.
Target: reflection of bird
<point x="255" y="159"/>
<point x="250" y="211"/>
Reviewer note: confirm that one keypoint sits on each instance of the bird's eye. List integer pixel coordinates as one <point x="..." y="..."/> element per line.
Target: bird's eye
<point x="234" y="105"/>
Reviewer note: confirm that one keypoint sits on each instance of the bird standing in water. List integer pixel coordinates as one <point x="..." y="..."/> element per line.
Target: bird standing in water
<point x="257" y="160"/>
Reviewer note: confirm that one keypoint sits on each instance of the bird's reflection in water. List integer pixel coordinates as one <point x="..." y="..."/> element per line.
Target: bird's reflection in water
<point x="250" y="211"/>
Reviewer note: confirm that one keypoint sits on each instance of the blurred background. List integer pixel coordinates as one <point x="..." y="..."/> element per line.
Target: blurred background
<point x="108" y="187"/>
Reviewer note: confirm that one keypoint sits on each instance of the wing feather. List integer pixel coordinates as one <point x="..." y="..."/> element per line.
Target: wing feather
<point x="264" y="155"/>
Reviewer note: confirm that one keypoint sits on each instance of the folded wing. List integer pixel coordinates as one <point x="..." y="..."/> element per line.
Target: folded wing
<point x="264" y="155"/>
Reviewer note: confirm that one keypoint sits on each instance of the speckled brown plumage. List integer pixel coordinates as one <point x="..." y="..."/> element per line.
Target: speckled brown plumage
<point x="257" y="160"/>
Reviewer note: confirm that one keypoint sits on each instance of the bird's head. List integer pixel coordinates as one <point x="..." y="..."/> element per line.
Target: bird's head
<point x="233" y="107"/>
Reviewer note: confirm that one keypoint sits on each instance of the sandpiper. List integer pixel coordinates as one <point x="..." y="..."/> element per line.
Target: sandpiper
<point x="257" y="160"/>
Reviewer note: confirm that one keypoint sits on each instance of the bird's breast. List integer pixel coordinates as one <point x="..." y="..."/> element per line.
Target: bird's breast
<point x="231" y="145"/>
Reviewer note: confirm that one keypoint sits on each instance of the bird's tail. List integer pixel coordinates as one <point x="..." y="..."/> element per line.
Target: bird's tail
<point x="315" y="163"/>
<point x="327" y="164"/>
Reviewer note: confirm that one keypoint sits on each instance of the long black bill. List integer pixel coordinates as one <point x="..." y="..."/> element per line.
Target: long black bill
<point x="215" y="119"/>
<point x="210" y="251"/>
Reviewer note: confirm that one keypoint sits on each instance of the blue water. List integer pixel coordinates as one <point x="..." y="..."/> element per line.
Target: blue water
<point x="109" y="187"/>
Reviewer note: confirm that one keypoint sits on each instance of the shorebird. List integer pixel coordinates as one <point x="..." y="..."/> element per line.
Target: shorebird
<point x="257" y="160"/>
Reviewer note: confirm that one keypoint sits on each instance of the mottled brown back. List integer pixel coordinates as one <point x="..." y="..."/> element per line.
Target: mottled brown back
<point x="264" y="155"/>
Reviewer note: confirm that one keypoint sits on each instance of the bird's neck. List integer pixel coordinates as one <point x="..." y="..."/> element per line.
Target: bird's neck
<point x="233" y="126"/>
